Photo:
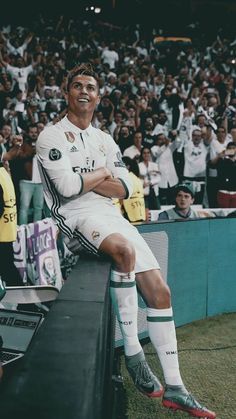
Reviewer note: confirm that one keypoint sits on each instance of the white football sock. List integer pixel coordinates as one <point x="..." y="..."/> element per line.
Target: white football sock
<point x="125" y="302"/>
<point x="162" y="333"/>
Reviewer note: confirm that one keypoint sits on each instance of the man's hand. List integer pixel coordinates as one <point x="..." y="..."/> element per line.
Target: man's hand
<point x="93" y="179"/>
<point x="17" y="140"/>
<point x="108" y="174"/>
<point x="111" y="188"/>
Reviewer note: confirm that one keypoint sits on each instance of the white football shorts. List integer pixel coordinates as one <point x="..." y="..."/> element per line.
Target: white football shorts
<point x="93" y="229"/>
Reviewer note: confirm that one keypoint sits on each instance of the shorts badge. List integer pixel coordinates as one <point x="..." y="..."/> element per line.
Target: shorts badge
<point x="70" y="136"/>
<point x="95" y="235"/>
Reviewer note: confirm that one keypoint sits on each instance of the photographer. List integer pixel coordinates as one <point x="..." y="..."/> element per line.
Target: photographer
<point x="225" y="163"/>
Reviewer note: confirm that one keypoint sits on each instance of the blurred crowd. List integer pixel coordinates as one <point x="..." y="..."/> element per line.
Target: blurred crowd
<point x="169" y="105"/>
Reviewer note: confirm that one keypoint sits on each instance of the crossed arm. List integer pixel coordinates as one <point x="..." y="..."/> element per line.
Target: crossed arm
<point x="112" y="188"/>
<point x="101" y="182"/>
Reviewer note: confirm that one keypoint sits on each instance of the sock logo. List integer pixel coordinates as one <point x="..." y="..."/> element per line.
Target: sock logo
<point x="171" y="352"/>
<point x="126" y="323"/>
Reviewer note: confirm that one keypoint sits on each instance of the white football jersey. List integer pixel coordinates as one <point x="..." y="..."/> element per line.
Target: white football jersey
<point x="65" y="152"/>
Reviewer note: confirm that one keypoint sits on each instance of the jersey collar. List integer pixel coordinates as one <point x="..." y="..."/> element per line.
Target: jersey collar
<point x="181" y="214"/>
<point x="67" y="125"/>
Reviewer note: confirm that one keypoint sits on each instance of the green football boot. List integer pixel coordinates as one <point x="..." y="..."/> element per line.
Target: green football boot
<point x="178" y="398"/>
<point x="142" y="376"/>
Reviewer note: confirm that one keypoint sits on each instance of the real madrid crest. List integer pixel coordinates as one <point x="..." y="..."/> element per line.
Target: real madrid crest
<point x="70" y="136"/>
<point x="95" y="235"/>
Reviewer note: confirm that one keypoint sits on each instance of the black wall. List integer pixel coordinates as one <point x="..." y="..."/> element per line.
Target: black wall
<point x="66" y="374"/>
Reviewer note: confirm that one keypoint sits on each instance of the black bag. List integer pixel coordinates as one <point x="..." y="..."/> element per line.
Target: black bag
<point x="153" y="202"/>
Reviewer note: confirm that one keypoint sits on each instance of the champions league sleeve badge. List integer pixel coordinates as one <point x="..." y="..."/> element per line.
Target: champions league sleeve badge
<point x="54" y="154"/>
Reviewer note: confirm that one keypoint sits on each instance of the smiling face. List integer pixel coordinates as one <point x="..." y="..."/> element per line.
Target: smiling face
<point x="196" y="137"/>
<point x="83" y="95"/>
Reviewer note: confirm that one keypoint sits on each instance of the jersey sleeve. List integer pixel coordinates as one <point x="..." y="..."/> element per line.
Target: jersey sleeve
<point x="117" y="167"/>
<point x="54" y="163"/>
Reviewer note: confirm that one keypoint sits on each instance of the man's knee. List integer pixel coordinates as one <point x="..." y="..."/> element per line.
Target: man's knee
<point x="123" y="251"/>
<point x="120" y="250"/>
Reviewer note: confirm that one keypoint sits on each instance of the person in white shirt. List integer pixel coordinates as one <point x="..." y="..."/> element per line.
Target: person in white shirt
<point x="20" y="72"/>
<point x="110" y="56"/>
<point x="134" y="151"/>
<point x="195" y="162"/>
<point x="150" y="175"/>
<point x="215" y="148"/>
<point x="17" y="49"/>
<point x="162" y="154"/>
<point x="31" y="187"/>
<point x="82" y="170"/>
<point x="222" y="136"/>
<point x="162" y="126"/>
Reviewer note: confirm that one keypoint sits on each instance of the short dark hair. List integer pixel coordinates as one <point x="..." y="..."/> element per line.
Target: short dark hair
<point x="230" y="144"/>
<point x="82" y="69"/>
<point x="133" y="165"/>
<point x="185" y="187"/>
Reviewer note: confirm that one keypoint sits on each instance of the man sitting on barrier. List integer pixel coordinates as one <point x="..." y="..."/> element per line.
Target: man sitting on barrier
<point x="82" y="169"/>
<point x="184" y="198"/>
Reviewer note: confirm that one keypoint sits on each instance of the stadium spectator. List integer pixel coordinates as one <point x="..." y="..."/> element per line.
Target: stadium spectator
<point x="149" y="138"/>
<point x="150" y="175"/>
<point x="134" y="151"/>
<point x="17" y="49"/>
<point x="133" y="208"/>
<point x="116" y="123"/>
<point x="184" y="198"/>
<point x="225" y="163"/>
<point x="123" y="137"/>
<point x="162" y="126"/>
<point x="222" y="137"/>
<point x="162" y="154"/>
<point x="195" y="160"/>
<point x="6" y="132"/>
<point x="215" y="149"/>
<point x="30" y="183"/>
<point x="171" y="103"/>
<point x="20" y="72"/>
<point x="110" y="56"/>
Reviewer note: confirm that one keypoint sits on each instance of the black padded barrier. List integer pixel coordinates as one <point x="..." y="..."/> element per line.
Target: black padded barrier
<point x="66" y="373"/>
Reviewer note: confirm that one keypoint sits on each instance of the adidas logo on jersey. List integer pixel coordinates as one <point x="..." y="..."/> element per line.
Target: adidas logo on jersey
<point x="73" y="149"/>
